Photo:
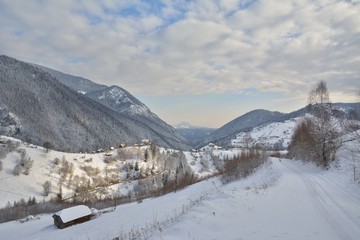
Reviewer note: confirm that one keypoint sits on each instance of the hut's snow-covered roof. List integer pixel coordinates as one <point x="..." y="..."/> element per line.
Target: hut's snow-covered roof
<point x="72" y="213"/>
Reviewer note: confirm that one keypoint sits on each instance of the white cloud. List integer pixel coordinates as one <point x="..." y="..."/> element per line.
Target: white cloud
<point x="190" y="47"/>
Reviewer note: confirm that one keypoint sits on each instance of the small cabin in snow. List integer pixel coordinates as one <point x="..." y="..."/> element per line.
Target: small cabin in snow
<point x="72" y="215"/>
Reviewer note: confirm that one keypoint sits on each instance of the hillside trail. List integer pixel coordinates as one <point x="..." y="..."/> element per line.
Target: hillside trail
<point x="285" y="200"/>
<point x="334" y="202"/>
<point x="282" y="200"/>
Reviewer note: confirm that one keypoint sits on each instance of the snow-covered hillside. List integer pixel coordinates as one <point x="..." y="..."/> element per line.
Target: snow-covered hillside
<point x="116" y="171"/>
<point x="283" y="200"/>
<point x="272" y="135"/>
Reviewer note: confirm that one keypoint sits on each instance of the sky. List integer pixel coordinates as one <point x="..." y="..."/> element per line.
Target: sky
<point x="205" y="62"/>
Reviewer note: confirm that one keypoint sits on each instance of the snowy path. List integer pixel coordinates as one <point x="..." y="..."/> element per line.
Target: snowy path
<point x="305" y="203"/>
<point x="334" y="203"/>
<point x="283" y="200"/>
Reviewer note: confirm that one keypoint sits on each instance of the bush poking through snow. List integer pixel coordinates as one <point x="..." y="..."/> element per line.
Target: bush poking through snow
<point x="24" y="165"/>
<point x="47" y="188"/>
<point x="17" y="170"/>
<point x="57" y="161"/>
<point x="3" y="151"/>
<point x="242" y="165"/>
<point x="12" y="145"/>
<point x="66" y="169"/>
<point x="109" y="159"/>
<point x="91" y="171"/>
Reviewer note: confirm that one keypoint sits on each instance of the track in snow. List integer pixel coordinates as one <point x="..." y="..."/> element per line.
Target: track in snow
<point x="283" y="200"/>
<point x="304" y="203"/>
<point x="334" y="203"/>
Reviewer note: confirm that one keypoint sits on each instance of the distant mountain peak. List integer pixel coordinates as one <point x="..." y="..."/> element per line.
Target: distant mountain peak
<point x="184" y="124"/>
<point x="187" y="125"/>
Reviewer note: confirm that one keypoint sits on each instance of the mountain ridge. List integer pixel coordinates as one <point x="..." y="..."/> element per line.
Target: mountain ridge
<point x="121" y="101"/>
<point x="76" y="83"/>
<point x="50" y="111"/>
<point x="250" y="120"/>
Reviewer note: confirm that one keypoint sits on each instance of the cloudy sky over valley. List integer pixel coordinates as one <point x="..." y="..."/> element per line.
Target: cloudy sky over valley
<point x="205" y="62"/>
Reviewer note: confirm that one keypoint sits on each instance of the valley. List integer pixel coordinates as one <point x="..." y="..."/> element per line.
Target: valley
<point x="283" y="199"/>
<point x="65" y="140"/>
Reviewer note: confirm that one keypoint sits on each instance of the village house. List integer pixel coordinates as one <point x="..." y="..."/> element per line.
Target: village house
<point x="71" y="216"/>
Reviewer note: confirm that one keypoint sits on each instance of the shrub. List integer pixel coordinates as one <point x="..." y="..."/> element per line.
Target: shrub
<point x="57" y="161"/>
<point x="66" y="169"/>
<point x="12" y="145"/>
<point x="91" y="171"/>
<point x="109" y="159"/>
<point x="243" y="165"/>
<point x="3" y="151"/>
<point x="27" y="163"/>
<point x="302" y="141"/>
<point x="47" y="188"/>
<point x="17" y="170"/>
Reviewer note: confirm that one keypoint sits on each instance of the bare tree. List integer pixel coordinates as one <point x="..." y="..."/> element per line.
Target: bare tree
<point x="17" y="170"/>
<point x="48" y="146"/>
<point x="324" y="130"/>
<point x="352" y="128"/>
<point x="317" y="138"/>
<point x="354" y="120"/>
<point x="47" y="188"/>
<point x="248" y="140"/>
<point x="302" y="141"/>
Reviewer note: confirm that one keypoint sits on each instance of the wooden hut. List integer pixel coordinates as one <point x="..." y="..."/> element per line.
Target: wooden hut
<point x="72" y="215"/>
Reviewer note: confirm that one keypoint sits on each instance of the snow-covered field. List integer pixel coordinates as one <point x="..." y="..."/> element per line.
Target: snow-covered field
<point x="282" y="200"/>
<point x="14" y="188"/>
<point x="277" y="133"/>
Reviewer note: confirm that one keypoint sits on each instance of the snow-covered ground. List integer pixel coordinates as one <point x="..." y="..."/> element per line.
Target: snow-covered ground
<point x="287" y="200"/>
<point x="282" y="200"/>
<point x="14" y="188"/>
<point x="277" y="133"/>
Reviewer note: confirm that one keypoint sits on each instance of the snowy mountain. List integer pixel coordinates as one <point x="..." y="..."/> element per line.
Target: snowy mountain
<point x="283" y="199"/>
<point x="195" y="135"/>
<point x="121" y="101"/>
<point x="76" y="83"/>
<point x="223" y="135"/>
<point x="272" y="136"/>
<point x="270" y="127"/>
<point x="48" y="111"/>
<point x="185" y="124"/>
